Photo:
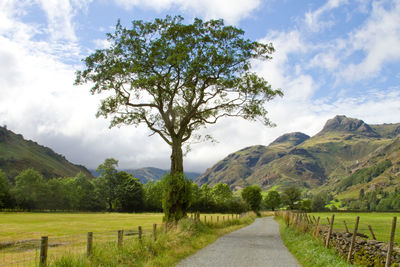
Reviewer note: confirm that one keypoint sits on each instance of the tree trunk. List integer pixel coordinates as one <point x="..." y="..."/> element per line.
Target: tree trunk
<point x="176" y="157"/>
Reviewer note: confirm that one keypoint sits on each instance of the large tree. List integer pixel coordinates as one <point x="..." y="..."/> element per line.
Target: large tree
<point x="176" y="78"/>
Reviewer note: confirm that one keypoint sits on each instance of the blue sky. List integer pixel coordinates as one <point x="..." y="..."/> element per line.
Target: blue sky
<point x="332" y="57"/>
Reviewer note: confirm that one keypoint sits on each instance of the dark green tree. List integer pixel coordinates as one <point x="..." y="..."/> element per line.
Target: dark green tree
<point x="129" y="193"/>
<point x="108" y="181"/>
<point x="87" y="198"/>
<point x="176" y="78"/>
<point x="272" y="200"/>
<point x="252" y="196"/>
<point x="291" y="197"/>
<point x="318" y="203"/>
<point x="30" y="190"/>
<point x="306" y="205"/>
<point x="5" y="196"/>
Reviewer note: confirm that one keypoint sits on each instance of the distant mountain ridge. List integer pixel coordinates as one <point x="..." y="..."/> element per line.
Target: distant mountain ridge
<point x="316" y="163"/>
<point x="151" y="174"/>
<point x="17" y="154"/>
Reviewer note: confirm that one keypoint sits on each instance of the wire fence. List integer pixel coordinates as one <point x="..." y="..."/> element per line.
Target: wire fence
<point x="29" y="252"/>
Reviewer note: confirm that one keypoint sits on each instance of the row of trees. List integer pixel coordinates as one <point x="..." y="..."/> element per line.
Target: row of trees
<point x="377" y="200"/>
<point x="114" y="191"/>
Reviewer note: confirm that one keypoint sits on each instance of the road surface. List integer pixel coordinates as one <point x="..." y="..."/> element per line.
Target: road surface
<point x="258" y="244"/>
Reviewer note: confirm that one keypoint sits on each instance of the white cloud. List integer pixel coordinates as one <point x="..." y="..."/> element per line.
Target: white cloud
<point x="230" y="10"/>
<point x="378" y="39"/>
<point x="313" y="18"/>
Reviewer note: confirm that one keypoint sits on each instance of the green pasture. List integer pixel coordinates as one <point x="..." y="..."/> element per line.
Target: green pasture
<point x="381" y="223"/>
<point x="24" y="225"/>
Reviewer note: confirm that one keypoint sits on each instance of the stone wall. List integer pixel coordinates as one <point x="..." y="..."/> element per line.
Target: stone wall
<point x="366" y="252"/>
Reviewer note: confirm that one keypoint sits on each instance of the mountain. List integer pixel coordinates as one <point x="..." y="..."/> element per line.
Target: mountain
<point x="17" y="154"/>
<point x="151" y="173"/>
<point x="320" y="163"/>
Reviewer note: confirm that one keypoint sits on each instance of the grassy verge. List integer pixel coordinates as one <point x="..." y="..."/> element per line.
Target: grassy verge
<point x="380" y="222"/>
<point x="307" y="250"/>
<point x="167" y="250"/>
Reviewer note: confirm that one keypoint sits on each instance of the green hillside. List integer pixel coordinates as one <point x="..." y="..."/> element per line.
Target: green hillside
<point x="320" y="163"/>
<point x="17" y="154"/>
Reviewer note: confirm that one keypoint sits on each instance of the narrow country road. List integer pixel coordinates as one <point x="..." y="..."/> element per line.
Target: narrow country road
<point x="258" y="244"/>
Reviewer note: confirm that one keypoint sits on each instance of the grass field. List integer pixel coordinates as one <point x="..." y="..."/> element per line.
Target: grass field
<point x="380" y="222"/>
<point x="67" y="232"/>
<point x="20" y="226"/>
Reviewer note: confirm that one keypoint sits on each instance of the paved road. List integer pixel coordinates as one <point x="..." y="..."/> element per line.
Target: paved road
<point x="258" y="244"/>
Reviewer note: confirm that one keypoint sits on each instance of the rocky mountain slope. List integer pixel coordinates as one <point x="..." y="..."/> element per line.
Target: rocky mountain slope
<point x="317" y="163"/>
<point x="17" y="154"/>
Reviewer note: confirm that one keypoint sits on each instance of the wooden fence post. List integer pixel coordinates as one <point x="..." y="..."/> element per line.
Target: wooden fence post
<point x="345" y="226"/>
<point x="44" y="245"/>
<point x="120" y="238"/>
<point x="328" y="239"/>
<point x="154" y="232"/>
<point x="317" y="227"/>
<point x="390" y="249"/>
<point x="217" y="219"/>
<point x="372" y="232"/>
<point x="89" y="244"/>
<point x="353" y="239"/>
<point x="223" y="219"/>
<point x="140" y="234"/>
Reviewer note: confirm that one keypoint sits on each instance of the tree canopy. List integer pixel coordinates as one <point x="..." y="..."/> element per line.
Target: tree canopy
<point x="252" y="195"/>
<point x="176" y="78"/>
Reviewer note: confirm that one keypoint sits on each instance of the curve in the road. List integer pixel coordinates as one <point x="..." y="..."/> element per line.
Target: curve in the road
<point x="258" y="244"/>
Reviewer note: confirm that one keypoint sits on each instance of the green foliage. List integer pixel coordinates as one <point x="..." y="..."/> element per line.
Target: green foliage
<point x="318" y="202"/>
<point x="176" y="196"/>
<point x="291" y="197"/>
<point x="364" y="175"/>
<point x="108" y="181"/>
<point x="306" y="205"/>
<point x="30" y="191"/>
<point x="129" y="193"/>
<point x="272" y="200"/>
<point x="377" y="200"/>
<point x="153" y="192"/>
<point x="252" y="195"/>
<point x="5" y="197"/>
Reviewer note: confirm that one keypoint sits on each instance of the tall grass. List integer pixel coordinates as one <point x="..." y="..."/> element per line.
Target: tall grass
<point x="169" y="248"/>
<point x="307" y="250"/>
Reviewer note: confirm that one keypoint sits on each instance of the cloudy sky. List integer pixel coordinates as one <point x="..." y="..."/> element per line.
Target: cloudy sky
<point x="332" y="57"/>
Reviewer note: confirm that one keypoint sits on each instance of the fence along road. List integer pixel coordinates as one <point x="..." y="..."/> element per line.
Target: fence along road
<point x="258" y="244"/>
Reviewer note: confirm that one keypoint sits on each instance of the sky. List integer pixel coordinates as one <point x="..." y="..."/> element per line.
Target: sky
<point x="333" y="57"/>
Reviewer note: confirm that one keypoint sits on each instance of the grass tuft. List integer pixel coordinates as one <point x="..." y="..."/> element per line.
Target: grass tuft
<point x="307" y="250"/>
